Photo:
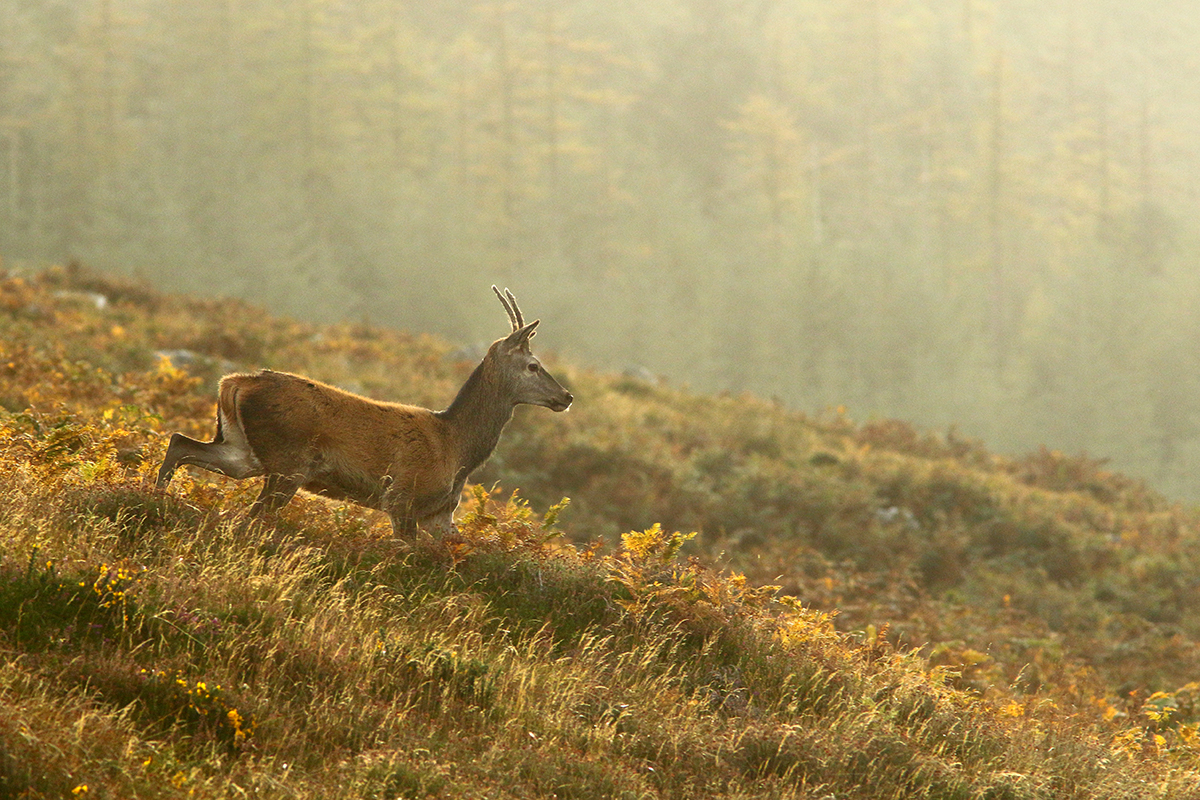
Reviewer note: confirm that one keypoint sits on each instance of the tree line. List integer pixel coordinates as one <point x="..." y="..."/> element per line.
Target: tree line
<point x="963" y="212"/>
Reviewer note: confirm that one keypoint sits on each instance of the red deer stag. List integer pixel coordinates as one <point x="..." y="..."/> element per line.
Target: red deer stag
<point x="407" y="461"/>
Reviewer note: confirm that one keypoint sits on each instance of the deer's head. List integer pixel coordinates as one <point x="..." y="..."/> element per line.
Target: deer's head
<point x="524" y="378"/>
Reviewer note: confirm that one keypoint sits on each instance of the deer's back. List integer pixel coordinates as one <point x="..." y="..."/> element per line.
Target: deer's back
<point x="346" y="443"/>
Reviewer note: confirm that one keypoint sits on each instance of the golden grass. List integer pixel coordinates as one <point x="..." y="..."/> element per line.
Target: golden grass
<point x="158" y="645"/>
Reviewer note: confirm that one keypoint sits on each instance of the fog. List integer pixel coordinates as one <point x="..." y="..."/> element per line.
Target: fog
<point x="957" y="212"/>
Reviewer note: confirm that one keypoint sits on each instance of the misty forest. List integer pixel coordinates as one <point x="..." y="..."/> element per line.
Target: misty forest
<point x="963" y="213"/>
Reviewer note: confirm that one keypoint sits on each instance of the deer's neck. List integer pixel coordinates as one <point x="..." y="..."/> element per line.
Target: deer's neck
<point x="477" y="417"/>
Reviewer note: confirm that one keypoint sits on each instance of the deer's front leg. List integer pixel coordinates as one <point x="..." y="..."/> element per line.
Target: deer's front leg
<point x="277" y="491"/>
<point x="433" y="513"/>
<point x="403" y="526"/>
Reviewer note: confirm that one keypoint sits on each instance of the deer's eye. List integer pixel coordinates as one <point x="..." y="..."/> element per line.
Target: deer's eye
<point x="533" y="367"/>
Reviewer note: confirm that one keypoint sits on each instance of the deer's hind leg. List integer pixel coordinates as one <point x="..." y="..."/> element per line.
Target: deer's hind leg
<point x="222" y="457"/>
<point x="230" y="455"/>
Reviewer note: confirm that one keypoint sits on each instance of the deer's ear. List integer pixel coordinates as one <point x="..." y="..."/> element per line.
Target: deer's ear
<point x="519" y="339"/>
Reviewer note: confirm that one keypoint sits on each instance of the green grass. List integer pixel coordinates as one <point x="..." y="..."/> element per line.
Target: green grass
<point x="960" y="625"/>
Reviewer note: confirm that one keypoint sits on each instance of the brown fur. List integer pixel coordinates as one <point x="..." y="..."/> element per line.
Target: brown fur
<point x="408" y="461"/>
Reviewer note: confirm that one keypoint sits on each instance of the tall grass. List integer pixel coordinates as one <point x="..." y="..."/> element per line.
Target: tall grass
<point x="159" y="644"/>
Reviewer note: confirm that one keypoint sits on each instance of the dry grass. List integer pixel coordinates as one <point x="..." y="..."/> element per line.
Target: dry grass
<point x="157" y="645"/>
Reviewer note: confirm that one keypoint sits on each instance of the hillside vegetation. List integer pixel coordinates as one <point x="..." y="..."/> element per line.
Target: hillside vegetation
<point x="864" y="611"/>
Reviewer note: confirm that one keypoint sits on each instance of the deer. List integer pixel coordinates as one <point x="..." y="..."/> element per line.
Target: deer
<point x="407" y="461"/>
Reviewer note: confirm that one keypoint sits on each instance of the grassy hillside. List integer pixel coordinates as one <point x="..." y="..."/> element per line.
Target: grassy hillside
<point x="959" y="625"/>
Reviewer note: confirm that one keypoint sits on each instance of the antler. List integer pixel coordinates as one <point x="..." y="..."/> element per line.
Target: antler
<point x="510" y="305"/>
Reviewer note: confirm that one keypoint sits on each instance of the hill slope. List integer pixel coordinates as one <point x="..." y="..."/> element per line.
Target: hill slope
<point x="157" y="646"/>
